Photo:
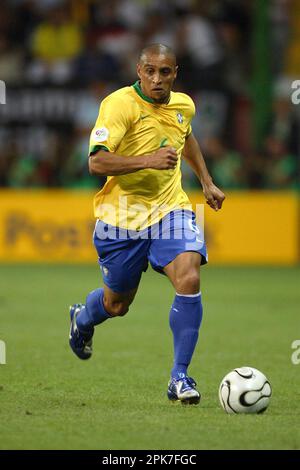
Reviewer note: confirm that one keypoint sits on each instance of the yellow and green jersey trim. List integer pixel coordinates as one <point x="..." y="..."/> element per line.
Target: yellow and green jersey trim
<point x="136" y="86"/>
<point x="95" y="148"/>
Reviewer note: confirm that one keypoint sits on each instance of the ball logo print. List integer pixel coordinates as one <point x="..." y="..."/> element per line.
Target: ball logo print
<point x="245" y="390"/>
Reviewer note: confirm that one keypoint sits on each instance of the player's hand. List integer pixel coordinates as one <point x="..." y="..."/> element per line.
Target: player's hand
<point x="213" y="195"/>
<point x="164" y="158"/>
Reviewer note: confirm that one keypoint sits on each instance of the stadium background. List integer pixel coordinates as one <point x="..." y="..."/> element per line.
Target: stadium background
<point x="58" y="59"/>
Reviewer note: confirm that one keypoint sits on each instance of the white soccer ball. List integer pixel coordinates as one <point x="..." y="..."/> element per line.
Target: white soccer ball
<point x="245" y="390"/>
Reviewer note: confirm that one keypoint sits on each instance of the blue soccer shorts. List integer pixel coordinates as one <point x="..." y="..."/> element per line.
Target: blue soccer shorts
<point x="124" y="255"/>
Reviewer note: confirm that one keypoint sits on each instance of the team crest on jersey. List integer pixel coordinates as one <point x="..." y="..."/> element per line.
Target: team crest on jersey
<point x="179" y="118"/>
<point x="104" y="270"/>
<point x="101" y="134"/>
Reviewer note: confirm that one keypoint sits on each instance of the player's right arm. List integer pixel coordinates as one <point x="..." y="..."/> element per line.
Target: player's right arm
<point x="104" y="163"/>
<point x="117" y="114"/>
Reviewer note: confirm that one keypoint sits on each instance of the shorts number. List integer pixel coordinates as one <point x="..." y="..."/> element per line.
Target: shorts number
<point x="194" y="228"/>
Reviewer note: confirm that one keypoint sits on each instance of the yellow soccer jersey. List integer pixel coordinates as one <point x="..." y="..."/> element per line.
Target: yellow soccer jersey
<point x="131" y="124"/>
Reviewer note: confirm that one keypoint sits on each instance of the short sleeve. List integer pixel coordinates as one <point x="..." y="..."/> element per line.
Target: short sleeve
<point x="189" y="130"/>
<point x="112" y="124"/>
<point x="191" y="114"/>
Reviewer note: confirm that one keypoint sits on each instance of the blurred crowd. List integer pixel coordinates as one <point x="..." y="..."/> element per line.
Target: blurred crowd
<point x="60" y="58"/>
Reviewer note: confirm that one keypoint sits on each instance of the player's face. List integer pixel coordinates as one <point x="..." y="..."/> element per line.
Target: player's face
<point x="157" y="74"/>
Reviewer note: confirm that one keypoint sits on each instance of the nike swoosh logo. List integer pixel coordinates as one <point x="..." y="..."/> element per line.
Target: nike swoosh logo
<point x="163" y="143"/>
<point x="73" y="323"/>
<point x="70" y="334"/>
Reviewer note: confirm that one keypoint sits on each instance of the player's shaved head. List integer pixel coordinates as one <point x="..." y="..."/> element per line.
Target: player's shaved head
<point x="157" y="49"/>
<point x="157" y="71"/>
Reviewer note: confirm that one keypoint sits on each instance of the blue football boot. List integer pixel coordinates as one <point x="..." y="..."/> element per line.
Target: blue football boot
<point x="80" y="342"/>
<point x="183" y="389"/>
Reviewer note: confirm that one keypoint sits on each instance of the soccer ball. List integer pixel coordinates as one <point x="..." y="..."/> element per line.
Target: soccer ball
<point x="245" y="390"/>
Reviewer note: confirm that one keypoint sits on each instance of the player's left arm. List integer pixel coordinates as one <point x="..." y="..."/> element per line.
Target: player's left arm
<point x="193" y="155"/>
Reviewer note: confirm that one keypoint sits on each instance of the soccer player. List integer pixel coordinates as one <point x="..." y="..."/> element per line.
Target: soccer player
<point x="142" y="212"/>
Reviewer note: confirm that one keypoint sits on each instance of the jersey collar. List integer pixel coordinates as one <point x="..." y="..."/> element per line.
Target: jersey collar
<point x="138" y="89"/>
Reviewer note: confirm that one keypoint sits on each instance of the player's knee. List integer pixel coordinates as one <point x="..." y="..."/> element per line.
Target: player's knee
<point x="188" y="282"/>
<point x="118" y="309"/>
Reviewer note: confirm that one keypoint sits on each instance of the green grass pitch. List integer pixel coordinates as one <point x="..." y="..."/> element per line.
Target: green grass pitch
<point x="49" y="399"/>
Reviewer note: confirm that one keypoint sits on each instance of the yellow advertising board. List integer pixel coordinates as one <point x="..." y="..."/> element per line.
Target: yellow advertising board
<point x="259" y="227"/>
<point x="48" y="226"/>
<point x="57" y="225"/>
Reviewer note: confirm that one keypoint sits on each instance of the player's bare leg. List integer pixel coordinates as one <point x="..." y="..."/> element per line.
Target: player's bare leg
<point x="184" y="272"/>
<point x="117" y="304"/>
<point x="185" y="320"/>
<point x="101" y="304"/>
